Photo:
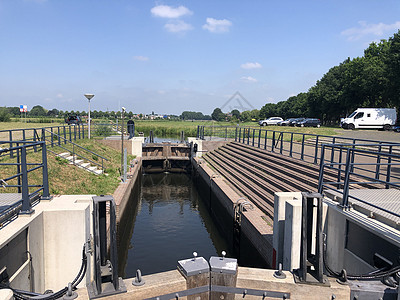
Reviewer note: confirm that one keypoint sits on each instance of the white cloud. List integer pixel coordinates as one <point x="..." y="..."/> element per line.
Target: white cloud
<point x="217" y="26"/>
<point x="59" y="95"/>
<point x="249" y="79"/>
<point x="250" y="65"/>
<point x="165" y="11"/>
<point x="365" y="29"/>
<point x="178" y="26"/>
<point x="141" y="58"/>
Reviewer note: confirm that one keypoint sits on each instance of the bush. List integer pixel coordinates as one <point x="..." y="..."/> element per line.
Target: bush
<point x="4" y="115"/>
<point x="103" y="130"/>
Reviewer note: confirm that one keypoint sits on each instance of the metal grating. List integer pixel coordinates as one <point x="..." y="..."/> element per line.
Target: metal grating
<point x="387" y="199"/>
<point x="9" y="199"/>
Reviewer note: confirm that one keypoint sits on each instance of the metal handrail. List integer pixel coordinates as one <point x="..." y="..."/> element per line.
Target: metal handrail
<point x="308" y="145"/>
<point x="24" y="206"/>
<point x="348" y="176"/>
<point x="78" y="155"/>
<point x="32" y="134"/>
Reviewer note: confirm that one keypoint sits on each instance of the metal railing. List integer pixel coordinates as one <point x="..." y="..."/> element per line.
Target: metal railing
<point x="77" y="151"/>
<point x="361" y="166"/>
<point x="303" y="146"/>
<point x="68" y="132"/>
<point x="355" y="163"/>
<point x="21" y="178"/>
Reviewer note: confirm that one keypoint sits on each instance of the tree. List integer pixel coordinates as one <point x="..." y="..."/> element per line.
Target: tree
<point x="53" y="112"/>
<point x="218" y="115"/>
<point x="4" y="115"/>
<point x="37" y="111"/>
<point x="235" y="113"/>
<point x="14" y="111"/>
<point x="268" y="110"/>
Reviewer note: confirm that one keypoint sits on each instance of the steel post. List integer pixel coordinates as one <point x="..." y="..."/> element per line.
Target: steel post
<point x="389" y="167"/>
<point x="265" y="139"/>
<point x="291" y="145"/>
<point x="58" y="136"/>
<point x="11" y="144"/>
<point x="316" y="150"/>
<point x="46" y="192"/>
<point x="378" y="161"/>
<point x="345" y="200"/>
<point x="26" y="205"/>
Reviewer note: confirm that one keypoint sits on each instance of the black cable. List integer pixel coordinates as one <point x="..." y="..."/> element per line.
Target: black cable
<point x="20" y="295"/>
<point x="371" y="275"/>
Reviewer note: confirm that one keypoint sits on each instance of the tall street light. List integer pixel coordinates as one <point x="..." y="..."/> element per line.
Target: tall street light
<point x="89" y="96"/>
<point x="122" y="144"/>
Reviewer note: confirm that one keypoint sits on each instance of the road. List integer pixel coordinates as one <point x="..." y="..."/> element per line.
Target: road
<point x="375" y="135"/>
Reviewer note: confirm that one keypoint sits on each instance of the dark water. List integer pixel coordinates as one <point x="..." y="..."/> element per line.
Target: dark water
<point x="171" y="222"/>
<point x="167" y="220"/>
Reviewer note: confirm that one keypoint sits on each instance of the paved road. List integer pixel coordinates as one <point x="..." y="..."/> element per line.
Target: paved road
<point x="376" y="135"/>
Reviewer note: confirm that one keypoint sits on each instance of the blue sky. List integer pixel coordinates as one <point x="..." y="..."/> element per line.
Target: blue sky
<point x="171" y="56"/>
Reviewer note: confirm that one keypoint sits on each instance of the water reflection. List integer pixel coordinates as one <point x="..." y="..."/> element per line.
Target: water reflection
<point x="167" y="222"/>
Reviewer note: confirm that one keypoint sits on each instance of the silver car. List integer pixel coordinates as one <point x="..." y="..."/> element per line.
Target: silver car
<point x="270" y="121"/>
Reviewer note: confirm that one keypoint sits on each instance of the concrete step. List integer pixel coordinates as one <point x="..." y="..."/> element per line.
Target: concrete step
<point x="260" y="198"/>
<point x="64" y="154"/>
<point x="282" y="170"/>
<point x="286" y="181"/>
<point x="80" y="163"/>
<point x="85" y="165"/>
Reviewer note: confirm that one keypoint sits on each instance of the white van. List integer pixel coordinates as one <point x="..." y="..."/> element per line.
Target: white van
<point x="376" y="118"/>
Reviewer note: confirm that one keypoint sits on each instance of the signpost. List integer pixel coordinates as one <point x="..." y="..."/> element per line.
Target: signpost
<point x="23" y="109"/>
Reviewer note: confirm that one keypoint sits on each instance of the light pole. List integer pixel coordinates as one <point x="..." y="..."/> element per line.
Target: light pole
<point x="122" y="143"/>
<point x="89" y="96"/>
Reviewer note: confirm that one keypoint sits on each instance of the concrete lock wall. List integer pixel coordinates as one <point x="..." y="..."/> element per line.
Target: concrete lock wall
<point x="56" y="233"/>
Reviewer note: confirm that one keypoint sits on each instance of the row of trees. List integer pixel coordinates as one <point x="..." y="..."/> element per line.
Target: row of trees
<point x="193" y="115"/>
<point x="372" y="80"/>
<point x="41" y="112"/>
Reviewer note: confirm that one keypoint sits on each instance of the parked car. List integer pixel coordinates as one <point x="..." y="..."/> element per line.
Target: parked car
<point x="286" y="122"/>
<point x="396" y="128"/>
<point x="270" y="121"/>
<point x="294" y="121"/>
<point x="309" y="123"/>
<point x="73" y="120"/>
<point x="377" y="118"/>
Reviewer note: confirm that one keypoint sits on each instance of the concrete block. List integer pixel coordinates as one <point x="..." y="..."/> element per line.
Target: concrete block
<point x="279" y="223"/>
<point x="199" y="143"/>
<point x="6" y="294"/>
<point x="137" y="143"/>
<point x="292" y="240"/>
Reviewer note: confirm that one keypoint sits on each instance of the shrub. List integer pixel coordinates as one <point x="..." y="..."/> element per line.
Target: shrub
<point x="103" y="130"/>
<point x="4" y="115"/>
